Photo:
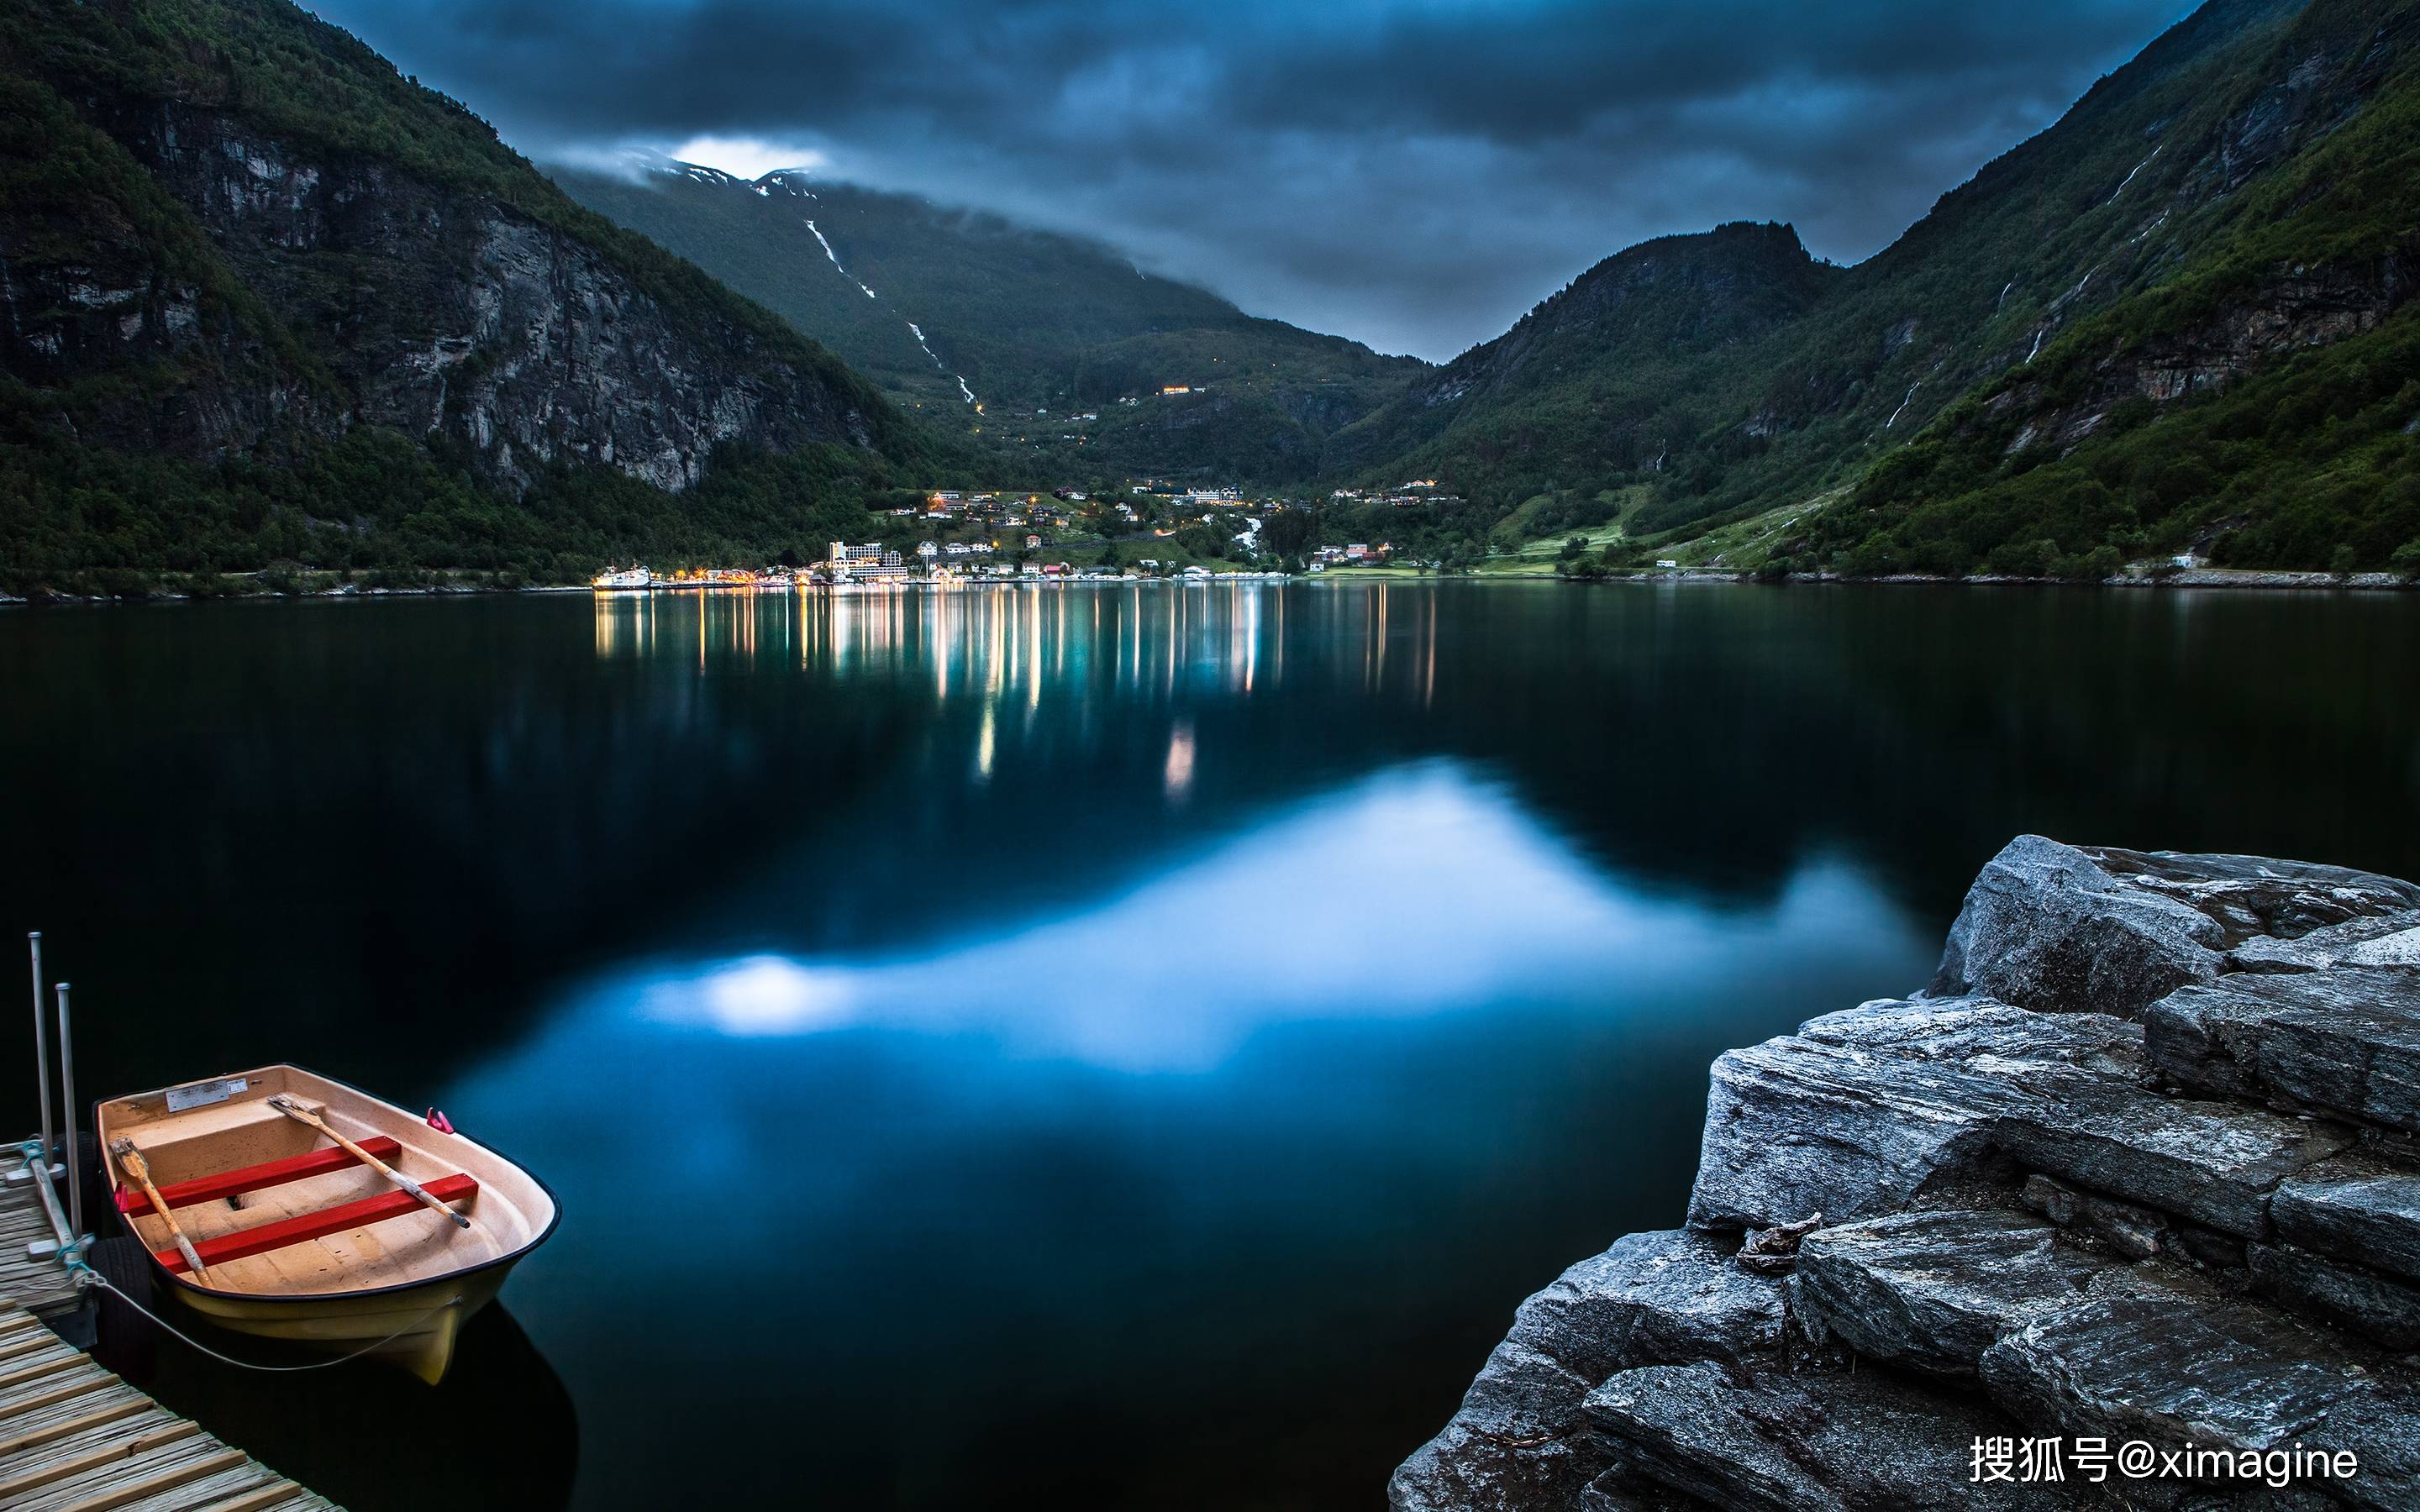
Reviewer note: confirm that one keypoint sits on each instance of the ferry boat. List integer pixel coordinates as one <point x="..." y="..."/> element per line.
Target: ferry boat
<point x="279" y="1203"/>
<point x="623" y="578"/>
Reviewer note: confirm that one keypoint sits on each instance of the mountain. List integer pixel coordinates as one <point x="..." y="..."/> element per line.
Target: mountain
<point x="2177" y="320"/>
<point x="269" y="301"/>
<point x="1590" y="377"/>
<point x="954" y="310"/>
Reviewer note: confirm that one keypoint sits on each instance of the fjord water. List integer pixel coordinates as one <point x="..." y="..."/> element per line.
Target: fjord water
<point x="1117" y="1047"/>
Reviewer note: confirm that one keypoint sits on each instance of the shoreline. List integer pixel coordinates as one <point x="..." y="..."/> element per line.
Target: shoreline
<point x="2139" y="1166"/>
<point x="2231" y="579"/>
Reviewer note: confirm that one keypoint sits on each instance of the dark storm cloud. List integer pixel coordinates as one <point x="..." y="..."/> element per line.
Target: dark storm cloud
<point x="1415" y="173"/>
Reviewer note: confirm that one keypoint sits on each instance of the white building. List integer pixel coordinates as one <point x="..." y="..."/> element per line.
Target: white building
<point x="928" y="550"/>
<point x="867" y="563"/>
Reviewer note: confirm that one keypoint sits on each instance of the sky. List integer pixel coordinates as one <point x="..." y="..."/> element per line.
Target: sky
<point x="1414" y="173"/>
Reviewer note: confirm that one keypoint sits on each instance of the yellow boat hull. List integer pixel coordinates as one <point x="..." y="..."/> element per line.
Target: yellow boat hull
<point x="411" y="1328"/>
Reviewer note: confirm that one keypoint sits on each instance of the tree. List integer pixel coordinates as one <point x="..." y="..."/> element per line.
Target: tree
<point x="2407" y="560"/>
<point x="1286" y="531"/>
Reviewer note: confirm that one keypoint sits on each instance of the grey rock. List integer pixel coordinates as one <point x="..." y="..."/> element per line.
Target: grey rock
<point x="1860" y="1110"/>
<point x="1809" y="1443"/>
<point x="2046" y="927"/>
<point x="2248" y="896"/>
<point x="2383" y="940"/>
<point x="2064" y="928"/>
<point x="2345" y="1040"/>
<point x="2214" y="1162"/>
<point x="2361" y="1207"/>
<point x="1624" y="1489"/>
<point x="2384" y="1312"/>
<point x="2207" y="1246"/>
<point x="2213" y="1273"/>
<point x="2174" y="1366"/>
<point x="1933" y="1291"/>
<point x="2136" y="1233"/>
<point x="1518" y="1440"/>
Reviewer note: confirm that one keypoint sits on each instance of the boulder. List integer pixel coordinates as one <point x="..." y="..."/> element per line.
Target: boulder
<point x="2046" y="927"/>
<point x="2363" y="1206"/>
<point x="1860" y="1110"/>
<point x="2214" y="1162"/>
<point x="2178" y="1366"/>
<point x="1822" y="1443"/>
<point x="1518" y="1440"/>
<point x="2385" y="1312"/>
<point x="2345" y="1040"/>
<point x="2383" y="940"/>
<point x="2066" y="929"/>
<point x="1933" y="1291"/>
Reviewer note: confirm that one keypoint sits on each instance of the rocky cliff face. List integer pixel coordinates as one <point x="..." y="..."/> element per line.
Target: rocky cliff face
<point x="2140" y="1165"/>
<point x="2298" y="308"/>
<point x="367" y="296"/>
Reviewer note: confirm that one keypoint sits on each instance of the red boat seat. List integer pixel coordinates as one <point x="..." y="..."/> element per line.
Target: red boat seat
<point x="255" y="1178"/>
<point x="303" y="1227"/>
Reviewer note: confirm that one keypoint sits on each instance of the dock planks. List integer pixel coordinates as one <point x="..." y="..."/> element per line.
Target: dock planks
<point x="74" y="1437"/>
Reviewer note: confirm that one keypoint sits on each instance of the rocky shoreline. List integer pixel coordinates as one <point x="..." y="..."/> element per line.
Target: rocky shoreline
<point x="2141" y="1165"/>
<point x="2179" y="578"/>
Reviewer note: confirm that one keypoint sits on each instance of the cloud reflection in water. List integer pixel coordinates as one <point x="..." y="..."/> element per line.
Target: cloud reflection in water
<point x="1415" y="892"/>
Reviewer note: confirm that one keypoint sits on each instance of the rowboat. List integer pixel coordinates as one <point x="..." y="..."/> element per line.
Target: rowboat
<point x="317" y="1215"/>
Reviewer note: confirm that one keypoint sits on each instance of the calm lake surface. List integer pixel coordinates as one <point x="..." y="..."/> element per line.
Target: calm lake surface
<point x="1124" y="1047"/>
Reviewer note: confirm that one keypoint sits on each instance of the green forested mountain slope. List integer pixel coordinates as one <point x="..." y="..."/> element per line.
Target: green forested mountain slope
<point x="924" y="297"/>
<point x="2257" y="403"/>
<point x="2232" y="208"/>
<point x="271" y="302"/>
<point x="1604" y="378"/>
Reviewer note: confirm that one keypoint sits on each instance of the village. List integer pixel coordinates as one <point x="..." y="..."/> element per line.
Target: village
<point x="1137" y="530"/>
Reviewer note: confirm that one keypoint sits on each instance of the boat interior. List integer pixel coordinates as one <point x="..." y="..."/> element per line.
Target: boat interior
<point x="274" y="1206"/>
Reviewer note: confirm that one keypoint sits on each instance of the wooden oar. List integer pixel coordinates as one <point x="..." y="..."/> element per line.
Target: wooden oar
<point x="131" y="1160"/>
<point x="303" y="1114"/>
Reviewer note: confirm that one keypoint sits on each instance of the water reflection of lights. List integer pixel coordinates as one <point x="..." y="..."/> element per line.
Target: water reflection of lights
<point x="1033" y="644"/>
<point x="1178" y="776"/>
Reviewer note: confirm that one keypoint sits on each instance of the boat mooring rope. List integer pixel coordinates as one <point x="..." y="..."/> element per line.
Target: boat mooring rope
<point x="86" y="1277"/>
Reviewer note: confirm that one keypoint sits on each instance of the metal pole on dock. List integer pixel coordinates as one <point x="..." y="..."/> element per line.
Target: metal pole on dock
<point x="67" y="1093"/>
<point x="41" y="1046"/>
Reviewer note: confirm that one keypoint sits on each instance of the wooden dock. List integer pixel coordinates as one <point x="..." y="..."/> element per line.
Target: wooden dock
<point x="74" y="1437"/>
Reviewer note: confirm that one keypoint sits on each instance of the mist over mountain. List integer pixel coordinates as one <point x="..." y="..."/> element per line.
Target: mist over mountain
<point x="1005" y="334"/>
